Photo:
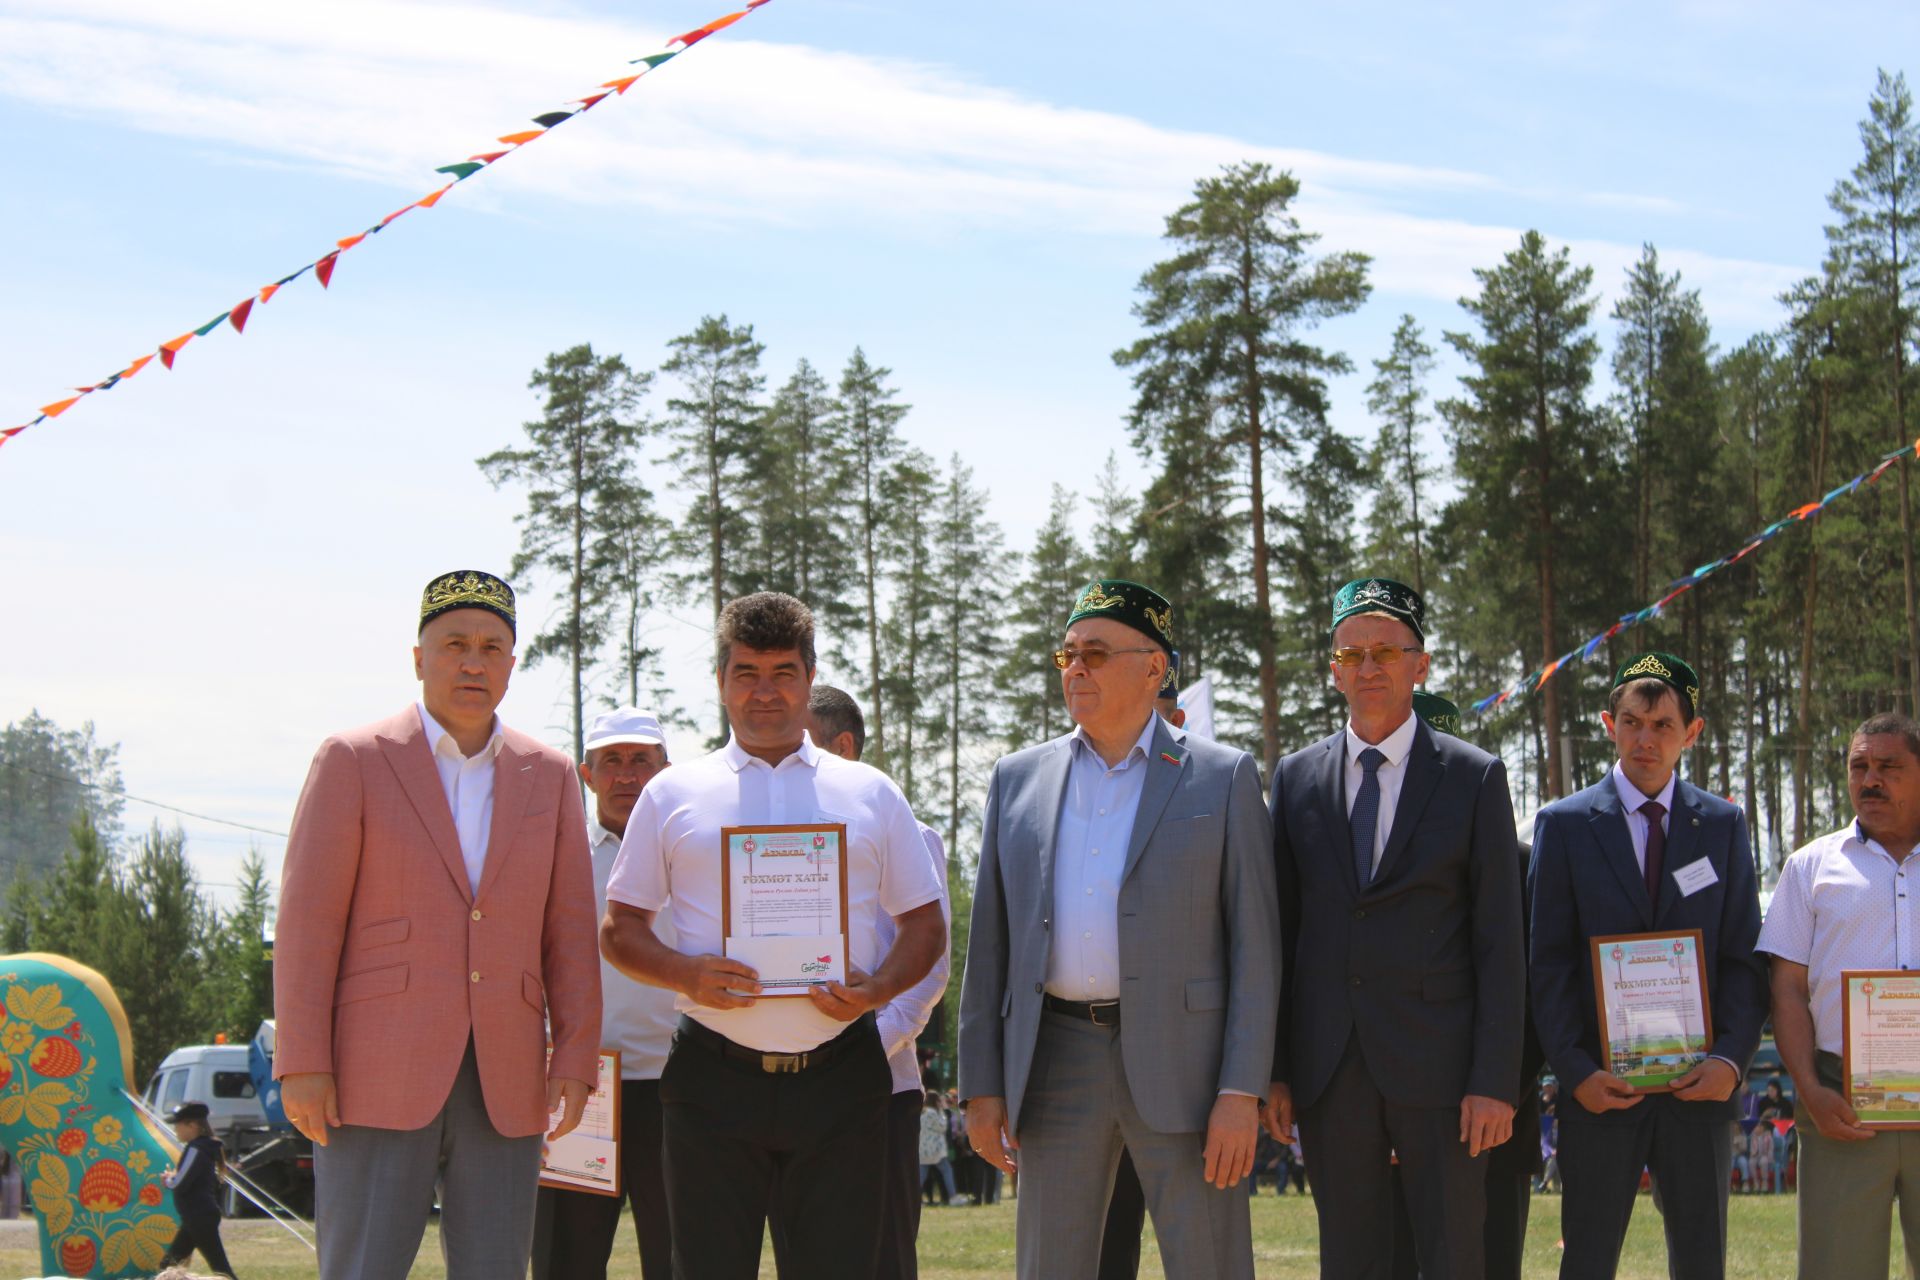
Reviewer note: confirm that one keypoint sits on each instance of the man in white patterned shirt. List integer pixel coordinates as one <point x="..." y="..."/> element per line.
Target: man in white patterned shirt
<point x="1843" y="902"/>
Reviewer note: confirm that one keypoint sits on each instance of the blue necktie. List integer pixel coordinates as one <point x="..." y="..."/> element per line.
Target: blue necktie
<point x="1366" y="814"/>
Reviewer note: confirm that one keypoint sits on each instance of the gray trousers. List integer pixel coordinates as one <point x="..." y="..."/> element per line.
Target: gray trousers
<point x="1077" y="1115"/>
<point x="373" y="1193"/>
<point x="1847" y="1190"/>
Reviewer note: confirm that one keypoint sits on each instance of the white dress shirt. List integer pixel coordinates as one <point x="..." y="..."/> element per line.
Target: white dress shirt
<point x="1391" y="773"/>
<point x="1631" y="798"/>
<point x="1089" y="855"/>
<point x="635" y="1018"/>
<point x="904" y="1017"/>
<point x="1843" y="902"/>
<point x="672" y="853"/>
<point x="468" y="782"/>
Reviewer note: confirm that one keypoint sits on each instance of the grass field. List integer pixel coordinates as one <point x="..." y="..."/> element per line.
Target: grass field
<point x="973" y="1243"/>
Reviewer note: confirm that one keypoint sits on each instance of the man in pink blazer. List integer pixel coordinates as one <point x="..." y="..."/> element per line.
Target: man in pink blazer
<point x="436" y="925"/>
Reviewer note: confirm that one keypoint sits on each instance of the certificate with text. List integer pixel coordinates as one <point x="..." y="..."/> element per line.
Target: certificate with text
<point x="588" y="1159"/>
<point x="1650" y="990"/>
<point x="783" y="892"/>
<point x="1880" y="1060"/>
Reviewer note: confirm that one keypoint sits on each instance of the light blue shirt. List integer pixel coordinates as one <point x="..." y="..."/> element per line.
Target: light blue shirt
<point x="1089" y="855"/>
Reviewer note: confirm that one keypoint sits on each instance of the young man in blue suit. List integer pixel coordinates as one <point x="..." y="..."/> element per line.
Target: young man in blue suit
<point x="1643" y="851"/>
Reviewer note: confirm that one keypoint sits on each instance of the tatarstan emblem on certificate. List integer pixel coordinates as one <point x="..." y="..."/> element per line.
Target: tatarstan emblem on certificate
<point x="783" y="893"/>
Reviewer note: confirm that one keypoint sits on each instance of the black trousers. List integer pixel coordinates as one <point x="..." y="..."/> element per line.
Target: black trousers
<point x="1600" y="1164"/>
<point x="900" y="1224"/>
<point x="808" y="1148"/>
<point x="1126" y="1217"/>
<point x="578" y="1228"/>
<point x="1349" y="1136"/>
<point x="1509" y="1196"/>
<point x="202" y="1232"/>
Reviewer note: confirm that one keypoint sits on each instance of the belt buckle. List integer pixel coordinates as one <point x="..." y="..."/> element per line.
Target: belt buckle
<point x="783" y="1063"/>
<point x="1104" y="1015"/>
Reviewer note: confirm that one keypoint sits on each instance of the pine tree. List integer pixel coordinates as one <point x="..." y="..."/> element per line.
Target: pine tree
<point x="804" y="509"/>
<point x="869" y="425"/>
<point x="1224" y="353"/>
<point x="909" y="491"/>
<point x="1056" y="568"/>
<point x="1879" y="208"/>
<point x="715" y="428"/>
<point x="970" y="564"/>
<point x="1397" y="396"/>
<point x="49" y="777"/>
<point x="582" y="447"/>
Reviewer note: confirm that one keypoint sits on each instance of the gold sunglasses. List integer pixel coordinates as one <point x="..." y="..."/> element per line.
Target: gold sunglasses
<point x="1384" y="655"/>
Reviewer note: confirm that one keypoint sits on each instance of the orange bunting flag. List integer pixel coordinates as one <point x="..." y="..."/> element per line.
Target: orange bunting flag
<point x="136" y="367"/>
<point x="267" y="291"/>
<point x="488" y="157"/>
<point x="727" y="21"/>
<point x="586" y="104"/>
<point x="324" y="268"/>
<point x="59" y="407"/>
<point x="522" y="138"/>
<point x="396" y="213"/>
<point x="1801" y="513"/>
<point x="692" y="37"/>
<point x="432" y="198"/>
<point x="168" y="350"/>
<point x="238" y="316"/>
<point x="351" y="241"/>
<point x="621" y="85"/>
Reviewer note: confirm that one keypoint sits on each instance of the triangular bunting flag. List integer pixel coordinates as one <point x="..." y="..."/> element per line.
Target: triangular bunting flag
<point x="238" y="316"/>
<point x="137" y="366"/>
<point x="587" y="102"/>
<point x="396" y="213"/>
<point x="267" y="291"/>
<point x="520" y="139"/>
<point x="59" y="407"/>
<point x="654" y="60"/>
<point x="351" y="241"/>
<point x="621" y="85"/>
<point x="488" y="157"/>
<point x="465" y="169"/>
<point x="433" y="197"/>
<point x="721" y="23"/>
<point x="324" y="269"/>
<point x="283" y="280"/>
<point x="210" y="325"/>
<point x="552" y="118"/>
<point x="692" y="38"/>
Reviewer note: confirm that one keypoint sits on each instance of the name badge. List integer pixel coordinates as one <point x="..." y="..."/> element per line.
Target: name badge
<point x="1695" y="876"/>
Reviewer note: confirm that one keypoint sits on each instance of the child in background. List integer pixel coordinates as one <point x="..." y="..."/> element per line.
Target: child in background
<point x="196" y="1188"/>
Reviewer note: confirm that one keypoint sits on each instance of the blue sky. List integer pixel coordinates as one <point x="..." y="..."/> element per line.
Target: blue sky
<point x="218" y="565"/>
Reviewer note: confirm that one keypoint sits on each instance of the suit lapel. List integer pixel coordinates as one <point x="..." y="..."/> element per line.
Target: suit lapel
<point x="406" y="751"/>
<point x="1609" y="823"/>
<point x="512" y="789"/>
<point x="1050" y="785"/>
<point x="1425" y="768"/>
<point x="1332" y="788"/>
<point x="1683" y="843"/>
<point x="1162" y="777"/>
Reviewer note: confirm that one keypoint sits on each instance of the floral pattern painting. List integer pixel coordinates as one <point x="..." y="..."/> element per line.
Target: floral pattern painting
<point x="92" y="1162"/>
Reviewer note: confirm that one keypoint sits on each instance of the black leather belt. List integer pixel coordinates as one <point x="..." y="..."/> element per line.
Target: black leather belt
<point x="1101" y="1013"/>
<point x="779" y="1063"/>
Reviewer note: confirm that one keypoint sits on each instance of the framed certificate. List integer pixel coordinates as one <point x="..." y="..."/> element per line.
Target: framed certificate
<point x="588" y="1159"/>
<point x="1650" y="990"/>
<point x="1880" y="1054"/>
<point x="783" y="902"/>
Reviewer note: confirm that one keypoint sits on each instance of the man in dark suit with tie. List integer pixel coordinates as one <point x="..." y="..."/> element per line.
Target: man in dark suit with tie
<point x="1642" y="851"/>
<point x="1403" y="979"/>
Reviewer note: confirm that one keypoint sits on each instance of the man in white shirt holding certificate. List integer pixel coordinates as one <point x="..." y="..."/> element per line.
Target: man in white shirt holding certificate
<point x="764" y="1089"/>
<point x="1843" y="903"/>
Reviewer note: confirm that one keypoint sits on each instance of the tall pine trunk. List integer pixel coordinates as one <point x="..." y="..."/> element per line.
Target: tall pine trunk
<point x="1803" y="735"/>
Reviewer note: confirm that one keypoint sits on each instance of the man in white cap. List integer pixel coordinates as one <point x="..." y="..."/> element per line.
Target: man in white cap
<point x="624" y="750"/>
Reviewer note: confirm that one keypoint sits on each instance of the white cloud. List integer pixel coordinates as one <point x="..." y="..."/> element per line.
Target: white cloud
<point x="752" y="132"/>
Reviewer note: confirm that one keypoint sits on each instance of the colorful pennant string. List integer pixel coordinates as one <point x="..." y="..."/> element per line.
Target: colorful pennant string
<point x="1798" y="516"/>
<point x="323" y="267"/>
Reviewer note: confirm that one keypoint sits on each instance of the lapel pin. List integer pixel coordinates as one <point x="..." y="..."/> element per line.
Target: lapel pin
<point x="1169" y="757"/>
<point x="1696" y="822"/>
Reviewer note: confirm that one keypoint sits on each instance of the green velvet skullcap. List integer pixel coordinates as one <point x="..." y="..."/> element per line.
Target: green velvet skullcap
<point x="1436" y="711"/>
<point x="1170" y="683"/>
<point x="1142" y="608"/>
<point x="1669" y="670"/>
<point x="467" y="589"/>
<point x="1381" y="595"/>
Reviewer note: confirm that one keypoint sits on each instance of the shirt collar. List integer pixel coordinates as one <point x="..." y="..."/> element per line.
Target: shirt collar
<point x="1859" y="833"/>
<point x="597" y="835"/>
<point x="436" y="733"/>
<point x="1141" y="745"/>
<point x="1394" y="748"/>
<point x="738" y="758"/>
<point x="1631" y="797"/>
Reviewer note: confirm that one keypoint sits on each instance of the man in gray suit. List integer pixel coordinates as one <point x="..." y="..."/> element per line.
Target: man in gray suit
<point x="1123" y="969"/>
<point x="1405" y="992"/>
